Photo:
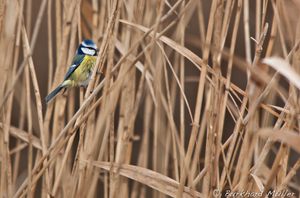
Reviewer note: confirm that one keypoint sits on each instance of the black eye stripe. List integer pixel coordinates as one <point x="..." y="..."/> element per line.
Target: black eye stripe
<point x="91" y="48"/>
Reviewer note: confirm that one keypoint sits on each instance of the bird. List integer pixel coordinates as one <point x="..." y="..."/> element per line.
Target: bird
<point x="80" y="71"/>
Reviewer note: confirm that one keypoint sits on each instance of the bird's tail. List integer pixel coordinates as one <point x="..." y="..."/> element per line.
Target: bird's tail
<point x="54" y="93"/>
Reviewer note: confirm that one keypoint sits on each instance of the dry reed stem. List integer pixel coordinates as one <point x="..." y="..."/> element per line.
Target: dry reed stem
<point x="148" y="177"/>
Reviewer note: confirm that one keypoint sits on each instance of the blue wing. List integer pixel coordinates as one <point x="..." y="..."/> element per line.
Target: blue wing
<point x="75" y="63"/>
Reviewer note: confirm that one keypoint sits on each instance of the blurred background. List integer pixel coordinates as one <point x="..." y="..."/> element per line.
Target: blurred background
<point x="181" y="103"/>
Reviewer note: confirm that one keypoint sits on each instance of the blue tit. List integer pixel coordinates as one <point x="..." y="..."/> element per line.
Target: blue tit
<point x="80" y="71"/>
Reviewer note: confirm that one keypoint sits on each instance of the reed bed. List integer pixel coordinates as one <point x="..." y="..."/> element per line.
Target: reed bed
<point x="188" y="98"/>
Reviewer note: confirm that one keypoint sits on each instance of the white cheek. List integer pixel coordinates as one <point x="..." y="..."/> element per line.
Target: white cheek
<point x="88" y="51"/>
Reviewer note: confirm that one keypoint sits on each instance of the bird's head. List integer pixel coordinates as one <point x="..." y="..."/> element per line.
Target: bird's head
<point x="87" y="47"/>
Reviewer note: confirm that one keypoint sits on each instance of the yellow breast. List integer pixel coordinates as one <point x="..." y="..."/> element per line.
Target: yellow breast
<point x="82" y="74"/>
